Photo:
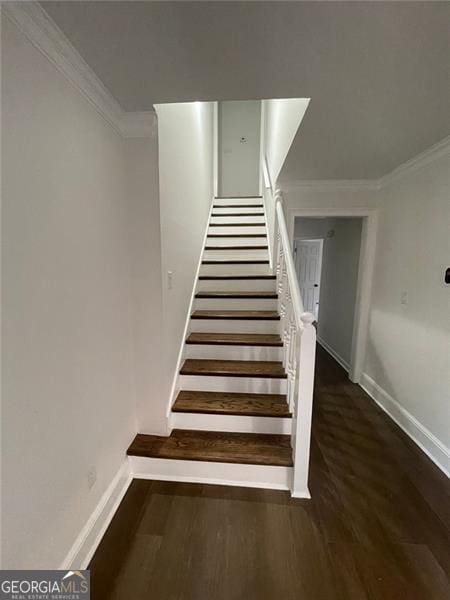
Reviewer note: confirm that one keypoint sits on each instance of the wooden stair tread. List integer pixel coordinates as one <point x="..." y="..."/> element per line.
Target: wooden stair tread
<point x="238" y="214"/>
<point x="238" y="206"/>
<point x="235" y="339"/>
<point x="233" y="368"/>
<point x="241" y="315"/>
<point x="236" y="235"/>
<point x="235" y="261"/>
<point x="236" y="247"/>
<point x="237" y="294"/>
<point x="237" y="224"/>
<point x="215" y="446"/>
<point x="224" y="403"/>
<point x="219" y="277"/>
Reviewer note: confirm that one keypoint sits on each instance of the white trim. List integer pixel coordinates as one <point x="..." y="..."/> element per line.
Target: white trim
<point x="329" y="185"/>
<point x="365" y="273"/>
<point x="90" y="536"/>
<point x="139" y="124"/>
<point x="423" y="159"/>
<point x="305" y="495"/>
<point x="214" y="473"/>
<point x="266" y="175"/>
<point x="173" y="389"/>
<point x="344" y="364"/>
<point x="35" y="24"/>
<point x="426" y="440"/>
<point x="262" y="140"/>
<point x="215" y="149"/>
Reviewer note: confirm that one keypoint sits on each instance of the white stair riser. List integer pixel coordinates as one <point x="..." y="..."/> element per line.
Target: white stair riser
<point x="250" y="269"/>
<point x="237" y="200"/>
<point x="236" y="241"/>
<point x="248" y="211"/>
<point x="240" y="424"/>
<point x="237" y="220"/>
<point x="258" y="476"/>
<point x="235" y="304"/>
<point x="251" y="385"/>
<point x="234" y="326"/>
<point x="245" y="285"/>
<point x="213" y="352"/>
<point x="237" y="230"/>
<point x="235" y="255"/>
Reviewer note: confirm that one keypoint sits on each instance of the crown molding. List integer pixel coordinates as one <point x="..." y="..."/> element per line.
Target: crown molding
<point x="35" y="24"/>
<point x="329" y="185"/>
<point x="423" y="159"/>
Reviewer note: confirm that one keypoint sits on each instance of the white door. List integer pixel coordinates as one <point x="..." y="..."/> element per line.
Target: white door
<point x="308" y="263"/>
<point x="239" y="148"/>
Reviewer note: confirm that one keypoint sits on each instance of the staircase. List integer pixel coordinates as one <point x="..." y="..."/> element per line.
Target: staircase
<point x="231" y="421"/>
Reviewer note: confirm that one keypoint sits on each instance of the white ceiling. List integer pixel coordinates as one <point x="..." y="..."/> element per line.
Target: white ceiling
<point x="377" y="73"/>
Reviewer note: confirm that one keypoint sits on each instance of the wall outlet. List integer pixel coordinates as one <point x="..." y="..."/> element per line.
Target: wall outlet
<point x="169" y="280"/>
<point x="404" y="299"/>
<point x="91" y="477"/>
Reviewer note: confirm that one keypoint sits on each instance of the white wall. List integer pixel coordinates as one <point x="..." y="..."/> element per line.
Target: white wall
<point x="239" y="162"/>
<point x="141" y="164"/>
<point x="68" y="394"/>
<point x="340" y="260"/>
<point x="186" y="191"/>
<point x="408" y="351"/>
<point x="282" y="118"/>
<point x="280" y="122"/>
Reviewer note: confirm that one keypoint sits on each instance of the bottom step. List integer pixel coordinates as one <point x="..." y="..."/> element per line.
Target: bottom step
<point x="213" y="473"/>
<point x="216" y="446"/>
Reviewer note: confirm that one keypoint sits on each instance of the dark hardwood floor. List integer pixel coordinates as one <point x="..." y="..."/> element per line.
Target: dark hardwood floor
<point x="377" y="526"/>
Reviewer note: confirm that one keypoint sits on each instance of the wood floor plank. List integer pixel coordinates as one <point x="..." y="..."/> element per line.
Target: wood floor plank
<point x="216" y="446"/>
<point x="234" y="368"/>
<point x="227" y="403"/>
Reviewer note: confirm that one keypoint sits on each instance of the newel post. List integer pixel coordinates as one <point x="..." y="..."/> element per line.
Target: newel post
<point x="303" y="413"/>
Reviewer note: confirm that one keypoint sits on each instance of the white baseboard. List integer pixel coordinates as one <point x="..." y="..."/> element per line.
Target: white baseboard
<point x="426" y="441"/>
<point x="90" y="536"/>
<point x="305" y="495"/>
<point x="344" y="364"/>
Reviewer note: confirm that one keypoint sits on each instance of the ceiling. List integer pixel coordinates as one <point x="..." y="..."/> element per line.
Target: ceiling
<point x="377" y="73"/>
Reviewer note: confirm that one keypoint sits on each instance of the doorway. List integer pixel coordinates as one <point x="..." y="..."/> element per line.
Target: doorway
<point x="327" y="257"/>
<point x="239" y="131"/>
<point x="308" y="264"/>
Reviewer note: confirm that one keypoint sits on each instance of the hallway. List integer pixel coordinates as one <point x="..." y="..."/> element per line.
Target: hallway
<point x="377" y="526"/>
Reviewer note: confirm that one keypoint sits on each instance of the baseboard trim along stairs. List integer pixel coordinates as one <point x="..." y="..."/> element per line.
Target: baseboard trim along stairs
<point x="230" y="420"/>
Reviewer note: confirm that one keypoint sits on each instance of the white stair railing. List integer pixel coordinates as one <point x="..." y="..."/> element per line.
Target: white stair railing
<point x="299" y="341"/>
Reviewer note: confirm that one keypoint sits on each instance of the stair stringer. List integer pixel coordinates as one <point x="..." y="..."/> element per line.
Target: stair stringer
<point x="175" y="387"/>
